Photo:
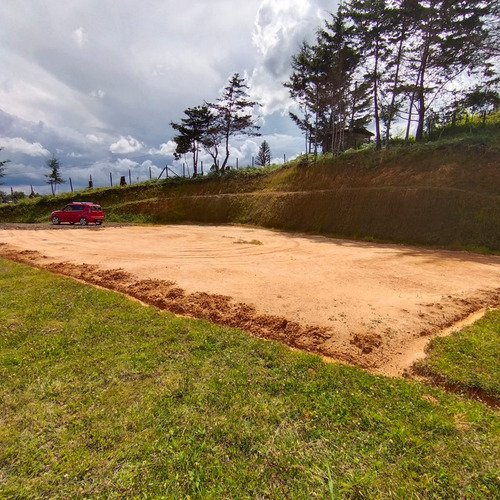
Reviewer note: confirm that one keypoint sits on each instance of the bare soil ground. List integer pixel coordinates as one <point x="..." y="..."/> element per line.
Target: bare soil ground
<point x="372" y="305"/>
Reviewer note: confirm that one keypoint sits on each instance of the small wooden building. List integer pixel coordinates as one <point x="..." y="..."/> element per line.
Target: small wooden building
<point x="347" y="139"/>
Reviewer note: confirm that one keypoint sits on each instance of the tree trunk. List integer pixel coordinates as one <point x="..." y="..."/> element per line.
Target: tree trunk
<point x="378" y="142"/>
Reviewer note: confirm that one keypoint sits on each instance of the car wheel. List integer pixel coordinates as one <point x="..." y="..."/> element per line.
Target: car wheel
<point x="83" y="221"/>
<point x="55" y="220"/>
<point x="98" y="222"/>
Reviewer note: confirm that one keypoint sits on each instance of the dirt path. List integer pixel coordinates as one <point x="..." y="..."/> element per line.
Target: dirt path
<point x="369" y="304"/>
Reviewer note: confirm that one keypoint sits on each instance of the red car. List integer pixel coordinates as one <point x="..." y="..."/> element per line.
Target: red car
<point x="82" y="212"/>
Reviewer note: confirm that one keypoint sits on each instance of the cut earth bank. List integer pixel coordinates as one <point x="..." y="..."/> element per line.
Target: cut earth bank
<point x="374" y="305"/>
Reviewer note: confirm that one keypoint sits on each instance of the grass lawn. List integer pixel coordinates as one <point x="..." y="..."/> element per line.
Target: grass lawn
<point x="469" y="359"/>
<point x="101" y="397"/>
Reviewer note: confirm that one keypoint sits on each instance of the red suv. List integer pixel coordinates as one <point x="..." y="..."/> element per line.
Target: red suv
<point x="82" y="212"/>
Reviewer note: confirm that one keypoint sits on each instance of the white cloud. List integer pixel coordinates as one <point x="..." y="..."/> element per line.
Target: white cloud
<point x="80" y="37"/>
<point x="93" y="139"/>
<point x="98" y="94"/>
<point x="126" y="163"/>
<point x="19" y="145"/>
<point x="278" y="20"/>
<point x="280" y="27"/>
<point x="166" y="149"/>
<point x="126" y="145"/>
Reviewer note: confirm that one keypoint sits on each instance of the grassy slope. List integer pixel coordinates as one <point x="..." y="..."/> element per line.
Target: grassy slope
<point x="445" y="194"/>
<point x="101" y="397"/>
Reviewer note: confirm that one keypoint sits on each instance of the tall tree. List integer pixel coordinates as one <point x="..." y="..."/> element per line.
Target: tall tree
<point x="303" y="87"/>
<point x="54" y="177"/>
<point x="264" y="155"/>
<point x="400" y="35"/>
<point x="370" y="21"/>
<point x="192" y="133"/>
<point x="327" y="86"/>
<point x="345" y="100"/>
<point x="2" y="167"/>
<point x="453" y="36"/>
<point x="234" y="109"/>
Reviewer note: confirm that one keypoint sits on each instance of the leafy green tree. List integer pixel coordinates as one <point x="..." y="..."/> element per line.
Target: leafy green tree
<point x="234" y="110"/>
<point x="263" y="157"/>
<point x="339" y="63"/>
<point x="400" y="27"/>
<point x="54" y="178"/>
<point x="384" y="60"/>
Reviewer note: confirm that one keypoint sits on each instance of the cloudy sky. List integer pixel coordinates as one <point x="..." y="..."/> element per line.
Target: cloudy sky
<point x="97" y="82"/>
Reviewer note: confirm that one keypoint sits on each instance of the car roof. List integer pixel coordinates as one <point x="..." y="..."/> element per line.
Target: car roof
<point x="82" y="203"/>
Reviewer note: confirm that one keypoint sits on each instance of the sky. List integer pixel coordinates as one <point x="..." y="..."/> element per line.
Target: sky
<point x="96" y="83"/>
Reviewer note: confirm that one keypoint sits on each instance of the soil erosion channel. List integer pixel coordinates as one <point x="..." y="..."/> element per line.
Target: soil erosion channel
<point x="369" y="304"/>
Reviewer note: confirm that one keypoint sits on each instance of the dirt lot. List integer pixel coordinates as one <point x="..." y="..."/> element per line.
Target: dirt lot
<point x="368" y="304"/>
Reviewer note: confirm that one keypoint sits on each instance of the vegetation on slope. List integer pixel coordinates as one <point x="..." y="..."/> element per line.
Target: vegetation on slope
<point x="445" y="193"/>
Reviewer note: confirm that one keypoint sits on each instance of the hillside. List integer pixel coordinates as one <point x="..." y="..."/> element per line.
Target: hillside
<point x="444" y="194"/>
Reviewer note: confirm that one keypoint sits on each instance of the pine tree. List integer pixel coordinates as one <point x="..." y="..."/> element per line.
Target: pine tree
<point x="370" y="20"/>
<point x="327" y="86"/>
<point x="453" y="36"/>
<point x="2" y="167"/>
<point x="193" y="132"/>
<point x="235" y="116"/>
<point x="303" y="87"/>
<point x="54" y="178"/>
<point x="264" y="155"/>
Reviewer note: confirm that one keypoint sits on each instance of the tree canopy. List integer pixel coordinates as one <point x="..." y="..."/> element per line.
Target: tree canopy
<point x="263" y="157"/>
<point x="210" y="126"/>
<point x="385" y="60"/>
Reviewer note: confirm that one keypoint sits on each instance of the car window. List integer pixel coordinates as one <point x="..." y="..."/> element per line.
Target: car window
<point x="96" y="208"/>
<point x="78" y="207"/>
<point x="67" y="208"/>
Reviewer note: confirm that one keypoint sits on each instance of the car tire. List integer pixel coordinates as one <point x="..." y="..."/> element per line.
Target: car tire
<point x="98" y="222"/>
<point x="83" y="221"/>
<point x="55" y="220"/>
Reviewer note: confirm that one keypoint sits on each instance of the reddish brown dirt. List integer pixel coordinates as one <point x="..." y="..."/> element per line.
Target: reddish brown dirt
<point x="368" y="304"/>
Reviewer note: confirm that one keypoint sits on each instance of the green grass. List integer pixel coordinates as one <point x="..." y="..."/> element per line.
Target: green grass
<point x="469" y="359"/>
<point x="101" y="397"/>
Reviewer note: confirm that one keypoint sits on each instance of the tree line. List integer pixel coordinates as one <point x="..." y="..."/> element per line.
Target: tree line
<point x="388" y="61"/>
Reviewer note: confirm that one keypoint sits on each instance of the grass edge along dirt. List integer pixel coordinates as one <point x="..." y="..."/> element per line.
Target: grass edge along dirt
<point x="468" y="360"/>
<point x="102" y="397"/>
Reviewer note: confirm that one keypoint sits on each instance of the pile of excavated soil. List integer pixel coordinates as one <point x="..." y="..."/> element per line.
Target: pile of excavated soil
<point x="372" y="305"/>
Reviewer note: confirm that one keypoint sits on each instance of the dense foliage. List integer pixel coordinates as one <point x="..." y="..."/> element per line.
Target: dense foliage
<point x="419" y="62"/>
<point x="263" y="157"/>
